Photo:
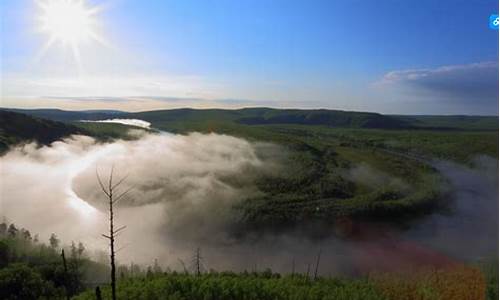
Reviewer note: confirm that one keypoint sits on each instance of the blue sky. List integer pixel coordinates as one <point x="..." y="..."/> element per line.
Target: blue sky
<point x="390" y="56"/>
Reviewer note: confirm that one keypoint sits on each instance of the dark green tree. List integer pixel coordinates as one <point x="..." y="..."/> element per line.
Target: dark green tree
<point x="19" y="282"/>
<point x="4" y="253"/>
<point x="54" y="241"/>
<point x="12" y="231"/>
<point x="3" y="229"/>
<point x="26" y="234"/>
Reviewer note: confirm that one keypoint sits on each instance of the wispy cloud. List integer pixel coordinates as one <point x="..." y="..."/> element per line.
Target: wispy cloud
<point x="477" y="82"/>
<point x="109" y="86"/>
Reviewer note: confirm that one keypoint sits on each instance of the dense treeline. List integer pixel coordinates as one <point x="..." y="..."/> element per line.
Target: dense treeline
<point x="32" y="269"/>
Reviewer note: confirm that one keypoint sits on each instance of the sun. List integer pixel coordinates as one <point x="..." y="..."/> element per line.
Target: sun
<point x="68" y="22"/>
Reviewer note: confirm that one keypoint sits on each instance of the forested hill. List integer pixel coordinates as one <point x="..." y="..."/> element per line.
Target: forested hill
<point x="261" y="116"/>
<point x="67" y="115"/>
<point x="245" y="116"/>
<point x="199" y="118"/>
<point x="16" y="128"/>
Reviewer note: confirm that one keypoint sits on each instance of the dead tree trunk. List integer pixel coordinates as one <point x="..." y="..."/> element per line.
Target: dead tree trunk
<point x="198" y="261"/>
<point x="66" y="277"/>
<point x="98" y="295"/>
<point x="317" y="265"/>
<point x="184" y="266"/>
<point x="109" y="191"/>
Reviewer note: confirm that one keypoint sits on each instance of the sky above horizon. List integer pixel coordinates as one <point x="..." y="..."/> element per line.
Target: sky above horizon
<point x="387" y="56"/>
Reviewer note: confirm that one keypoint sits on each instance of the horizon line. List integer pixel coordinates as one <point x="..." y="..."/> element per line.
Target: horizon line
<point x="245" y="107"/>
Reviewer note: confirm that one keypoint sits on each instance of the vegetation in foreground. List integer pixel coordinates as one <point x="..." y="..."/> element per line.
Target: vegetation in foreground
<point x="458" y="283"/>
<point x="30" y="269"/>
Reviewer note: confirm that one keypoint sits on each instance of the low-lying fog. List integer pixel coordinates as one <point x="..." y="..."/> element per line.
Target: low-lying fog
<point x="183" y="188"/>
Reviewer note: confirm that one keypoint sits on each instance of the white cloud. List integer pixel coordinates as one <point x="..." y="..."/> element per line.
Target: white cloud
<point x="469" y="83"/>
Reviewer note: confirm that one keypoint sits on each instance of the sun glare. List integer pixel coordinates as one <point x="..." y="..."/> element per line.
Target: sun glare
<point x="69" y="22"/>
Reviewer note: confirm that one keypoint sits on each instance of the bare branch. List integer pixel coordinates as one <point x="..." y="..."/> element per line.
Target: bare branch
<point x="119" y="181"/>
<point x="111" y="178"/>
<point x="108" y="237"/>
<point x="183" y="266"/>
<point x="100" y="182"/>
<point x="119" y="229"/>
<point x="122" y="194"/>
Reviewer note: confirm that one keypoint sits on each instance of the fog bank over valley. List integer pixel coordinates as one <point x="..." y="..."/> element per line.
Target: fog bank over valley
<point x="183" y="192"/>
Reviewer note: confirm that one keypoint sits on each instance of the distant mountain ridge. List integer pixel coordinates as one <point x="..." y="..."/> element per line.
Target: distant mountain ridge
<point x="332" y="118"/>
<point x="67" y="115"/>
<point x="263" y="116"/>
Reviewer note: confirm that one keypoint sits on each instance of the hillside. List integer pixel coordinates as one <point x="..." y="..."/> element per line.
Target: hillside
<point x="65" y="115"/>
<point x="458" y="122"/>
<point x="174" y="118"/>
<point x="17" y="127"/>
<point x="260" y="116"/>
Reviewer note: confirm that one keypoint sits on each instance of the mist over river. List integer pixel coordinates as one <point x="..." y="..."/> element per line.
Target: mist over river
<point x="181" y="199"/>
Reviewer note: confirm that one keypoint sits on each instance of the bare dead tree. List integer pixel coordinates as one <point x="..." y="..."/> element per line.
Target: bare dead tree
<point x="293" y="267"/>
<point x="66" y="281"/>
<point x="196" y="262"/>
<point x="98" y="295"/>
<point x="112" y="198"/>
<point x="317" y="265"/>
